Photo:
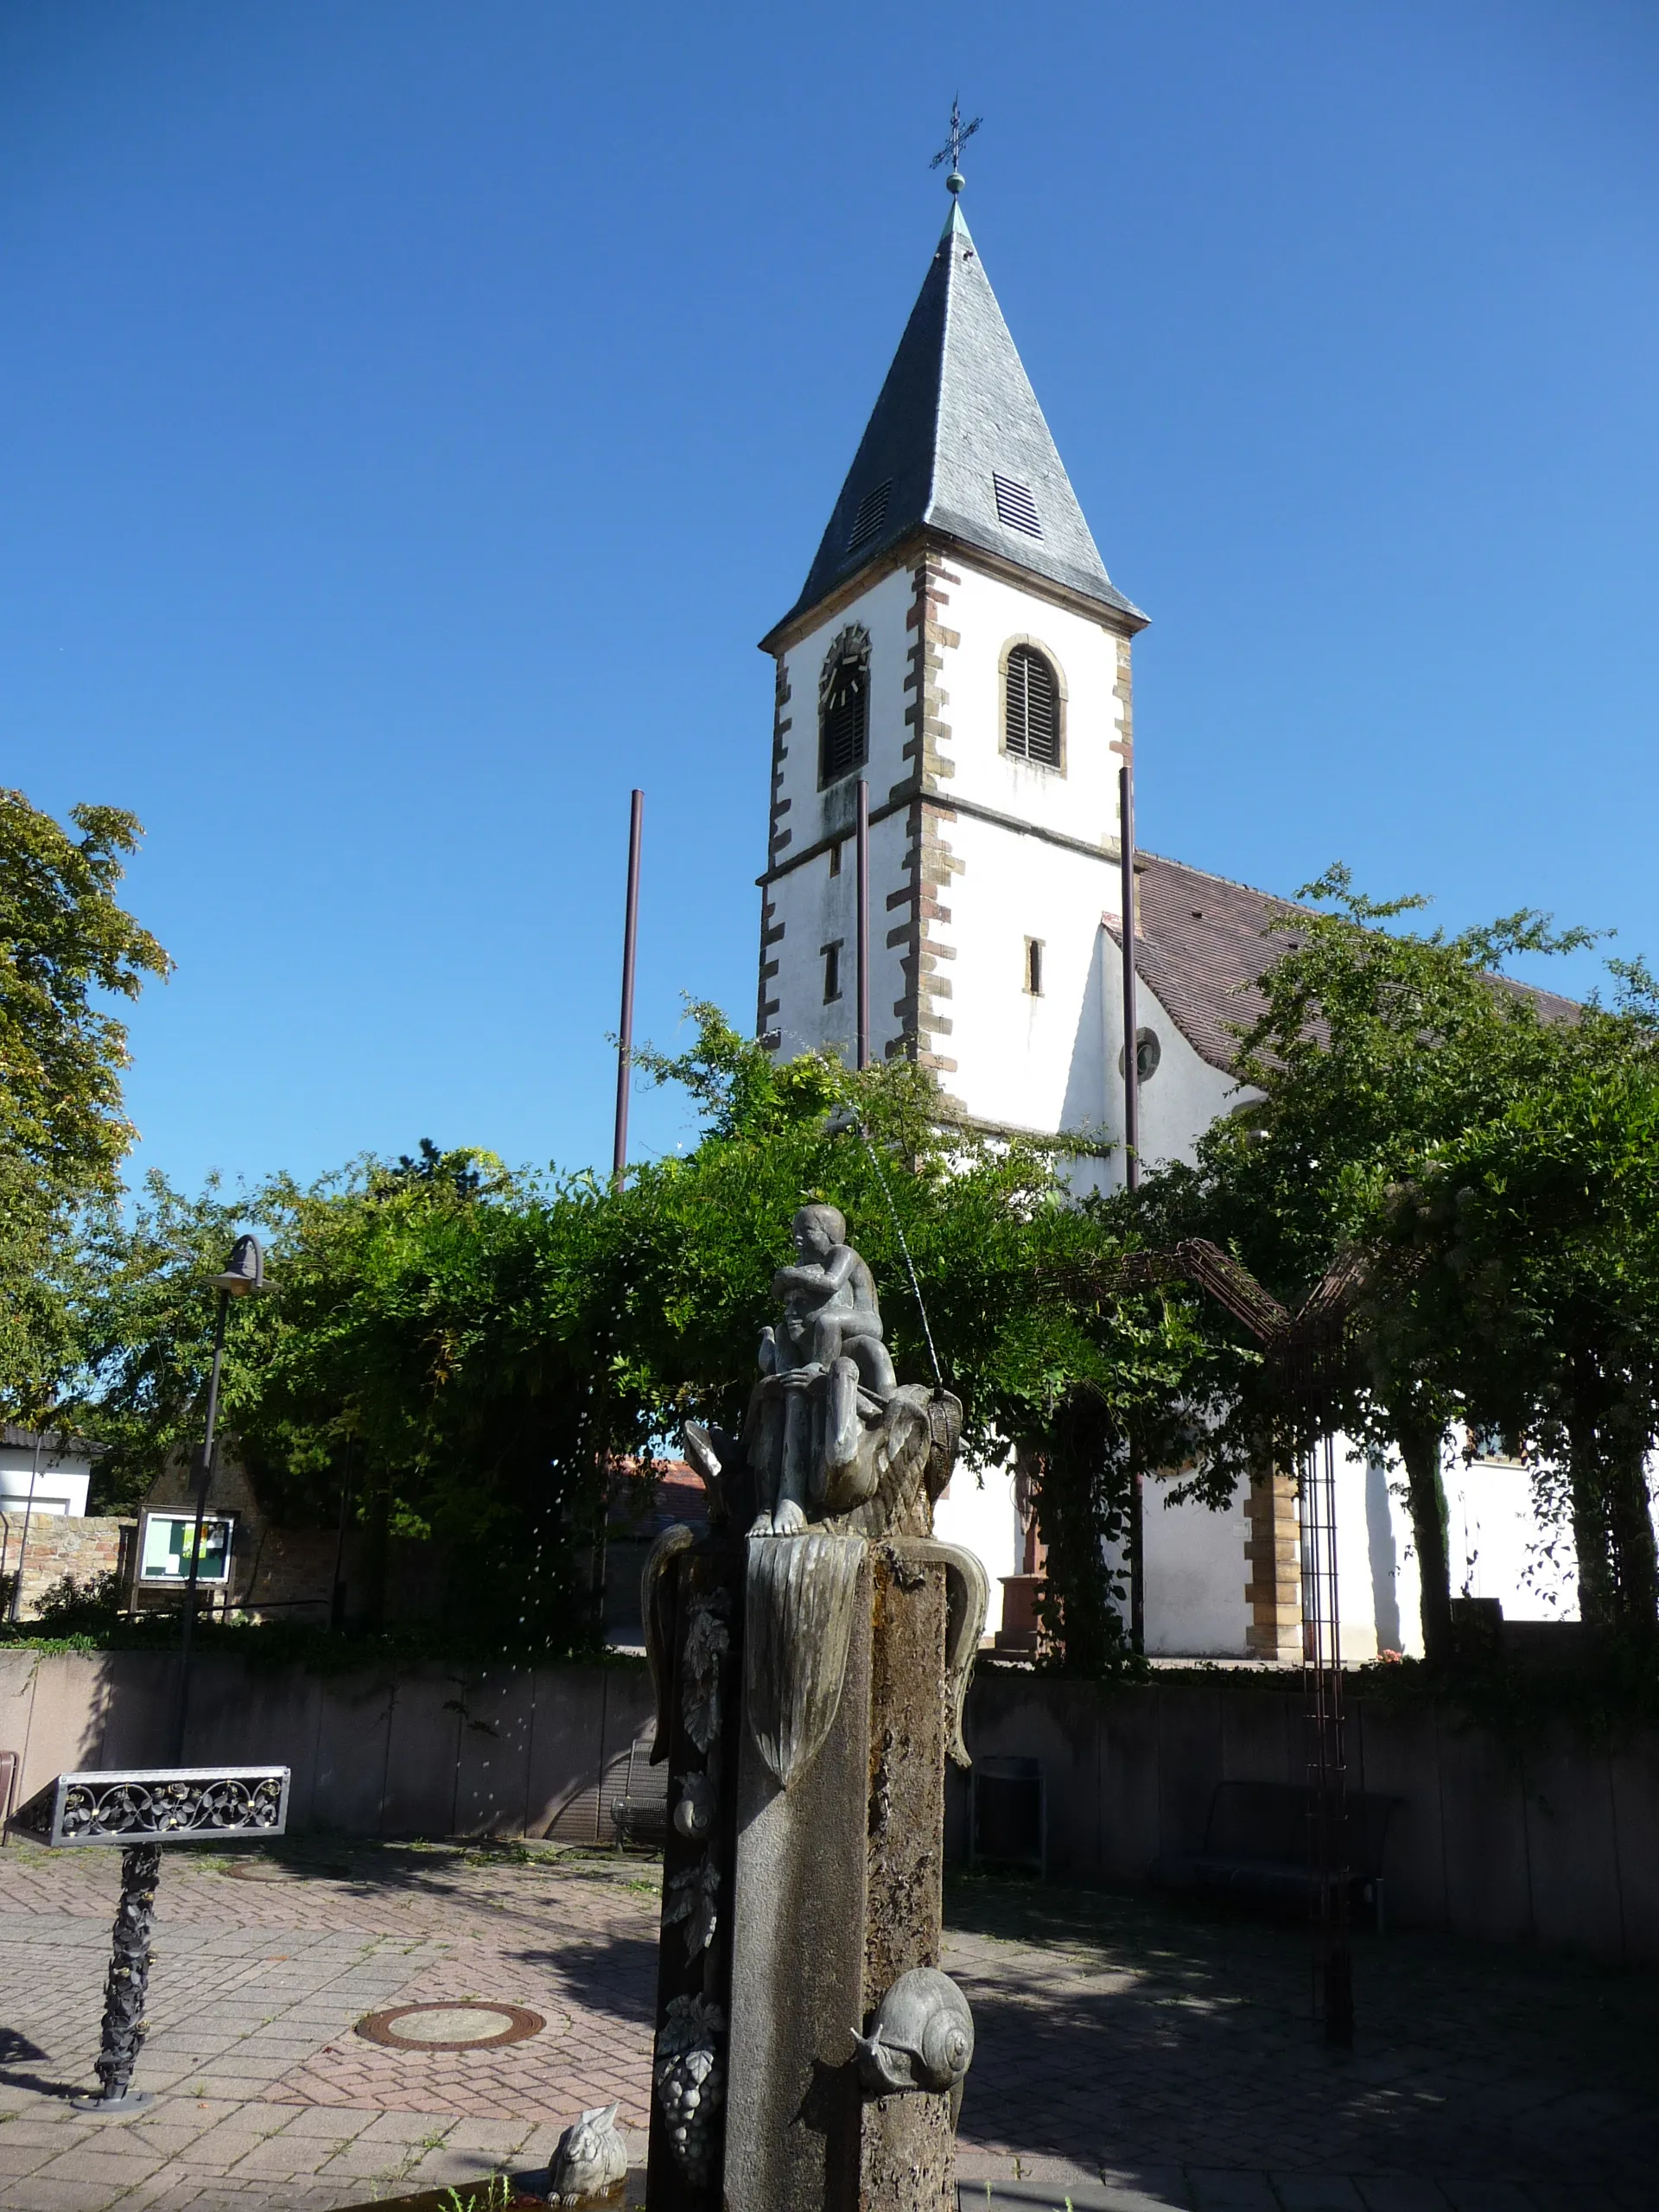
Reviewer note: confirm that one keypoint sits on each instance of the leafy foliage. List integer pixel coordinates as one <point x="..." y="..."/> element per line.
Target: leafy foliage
<point x="1491" y="1151"/>
<point x="65" y="945"/>
<point x="486" y="1347"/>
<point x="63" y="935"/>
<point x="1530" y="1242"/>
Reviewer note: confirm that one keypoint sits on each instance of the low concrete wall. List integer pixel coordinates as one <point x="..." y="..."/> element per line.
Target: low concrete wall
<point x="1558" y="1843"/>
<point x="437" y="1750"/>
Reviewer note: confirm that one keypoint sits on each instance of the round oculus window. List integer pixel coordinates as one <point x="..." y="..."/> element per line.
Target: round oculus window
<point x="1148" y="1053"/>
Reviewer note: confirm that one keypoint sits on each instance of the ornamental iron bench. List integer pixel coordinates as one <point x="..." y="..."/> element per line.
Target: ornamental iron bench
<point x="1259" y="1841"/>
<point x="138" y="1810"/>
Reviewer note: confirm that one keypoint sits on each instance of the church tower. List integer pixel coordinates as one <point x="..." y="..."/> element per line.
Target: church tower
<point x="959" y="646"/>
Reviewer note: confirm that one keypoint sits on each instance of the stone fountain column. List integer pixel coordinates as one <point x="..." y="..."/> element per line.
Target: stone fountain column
<point x="810" y="1674"/>
<point x="834" y="1893"/>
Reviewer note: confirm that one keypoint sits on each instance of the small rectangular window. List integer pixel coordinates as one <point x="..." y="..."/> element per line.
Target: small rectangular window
<point x="1492" y="1444"/>
<point x="1035" y="966"/>
<point x="834" y="859"/>
<point x="832" y="971"/>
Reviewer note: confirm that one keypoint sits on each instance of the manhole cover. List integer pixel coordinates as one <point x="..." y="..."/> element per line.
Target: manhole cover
<point x="460" y="2026"/>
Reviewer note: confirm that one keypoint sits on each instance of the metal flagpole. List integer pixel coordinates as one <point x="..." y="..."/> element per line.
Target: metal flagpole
<point x="1132" y="1159"/>
<point x="625" y="1041"/>
<point x="1131" y="1024"/>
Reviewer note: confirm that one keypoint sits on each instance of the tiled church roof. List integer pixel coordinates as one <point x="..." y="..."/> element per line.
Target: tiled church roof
<point x="1204" y="943"/>
<point x="957" y="412"/>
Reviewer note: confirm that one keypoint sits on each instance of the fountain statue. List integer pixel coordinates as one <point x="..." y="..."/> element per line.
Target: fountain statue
<point x="811" y="1655"/>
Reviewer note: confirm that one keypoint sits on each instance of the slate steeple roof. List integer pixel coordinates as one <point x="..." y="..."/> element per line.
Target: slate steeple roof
<point x="957" y="442"/>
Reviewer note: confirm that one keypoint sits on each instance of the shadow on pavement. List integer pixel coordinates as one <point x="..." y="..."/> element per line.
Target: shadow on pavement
<point x="1136" y="2040"/>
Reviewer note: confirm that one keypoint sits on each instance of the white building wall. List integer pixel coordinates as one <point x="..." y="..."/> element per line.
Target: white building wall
<point x="59" y="1485"/>
<point x="815" y="908"/>
<point x="812" y="905"/>
<point x="1184" y="1096"/>
<point x="1195" y="1578"/>
<point x="977" y="1509"/>
<point x="1498" y="1546"/>
<point x="1079" y="799"/>
<point x="1025" y="1062"/>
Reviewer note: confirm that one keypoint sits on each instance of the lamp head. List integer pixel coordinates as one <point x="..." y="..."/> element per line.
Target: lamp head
<point x="246" y="1269"/>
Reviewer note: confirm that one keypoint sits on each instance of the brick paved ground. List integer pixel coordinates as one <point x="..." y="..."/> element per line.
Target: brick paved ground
<point x="1167" y="2056"/>
<point x="264" y="2096"/>
<point x="1129" y="2055"/>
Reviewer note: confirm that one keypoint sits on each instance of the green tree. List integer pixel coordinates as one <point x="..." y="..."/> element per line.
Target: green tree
<point x="488" y="1346"/>
<point x="1375" y="1049"/>
<point x="1530" y="1242"/>
<point x="67" y="946"/>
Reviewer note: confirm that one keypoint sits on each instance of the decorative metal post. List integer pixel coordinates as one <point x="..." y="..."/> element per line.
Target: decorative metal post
<point x="138" y="1810"/>
<point x="244" y="1274"/>
<point x="127" y="1981"/>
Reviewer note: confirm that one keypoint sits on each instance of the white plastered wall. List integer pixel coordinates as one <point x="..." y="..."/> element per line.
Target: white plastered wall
<point x="58" y="1485"/>
<point x="977" y="1511"/>
<point x="814" y="907"/>
<point x="988" y="615"/>
<point x="1023" y="1062"/>
<point x="1183" y="1097"/>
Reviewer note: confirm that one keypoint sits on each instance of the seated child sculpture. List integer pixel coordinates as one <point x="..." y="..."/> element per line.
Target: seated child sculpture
<point x="829" y="1343"/>
<point x="830" y="1302"/>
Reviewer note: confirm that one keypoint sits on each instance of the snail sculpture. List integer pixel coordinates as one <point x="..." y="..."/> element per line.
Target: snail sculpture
<point x="922" y="2037"/>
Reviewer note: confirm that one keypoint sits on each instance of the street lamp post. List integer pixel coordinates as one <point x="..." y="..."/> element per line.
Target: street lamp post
<point x="16" y="1608"/>
<point x="244" y="1275"/>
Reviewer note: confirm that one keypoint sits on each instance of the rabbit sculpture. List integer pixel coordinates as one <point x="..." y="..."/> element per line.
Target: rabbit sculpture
<point x="591" y="2160"/>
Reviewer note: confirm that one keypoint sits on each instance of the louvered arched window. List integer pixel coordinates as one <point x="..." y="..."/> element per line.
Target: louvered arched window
<point x="844" y="706"/>
<point x="1032" y="704"/>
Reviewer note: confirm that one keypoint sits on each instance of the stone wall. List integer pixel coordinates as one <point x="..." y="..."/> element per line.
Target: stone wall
<point x="1554" y="1840"/>
<point x="1557" y="1842"/>
<point x="59" y="1544"/>
<point x="434" y="1750"/>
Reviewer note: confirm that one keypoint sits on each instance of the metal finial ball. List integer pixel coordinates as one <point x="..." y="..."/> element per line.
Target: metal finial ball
<point x="955" y="182"/>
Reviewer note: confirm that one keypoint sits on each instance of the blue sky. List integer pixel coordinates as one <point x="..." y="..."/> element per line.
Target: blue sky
<point x="411" y="414"/>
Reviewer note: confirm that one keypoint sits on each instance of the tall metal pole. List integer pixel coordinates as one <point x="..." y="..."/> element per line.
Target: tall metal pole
<point x="204" y="1478"/>
<point x="863" y="846"/>
<point x="625" y="1040"/>
<point x="1131" y="1163"/>
<point x="337" y="1593"/>
<point x="1131" y="1024"/>
<point x="16" y="1607"/>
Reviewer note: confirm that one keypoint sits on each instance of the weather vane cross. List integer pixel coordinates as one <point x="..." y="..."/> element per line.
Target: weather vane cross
<point x="961" y="132"/>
